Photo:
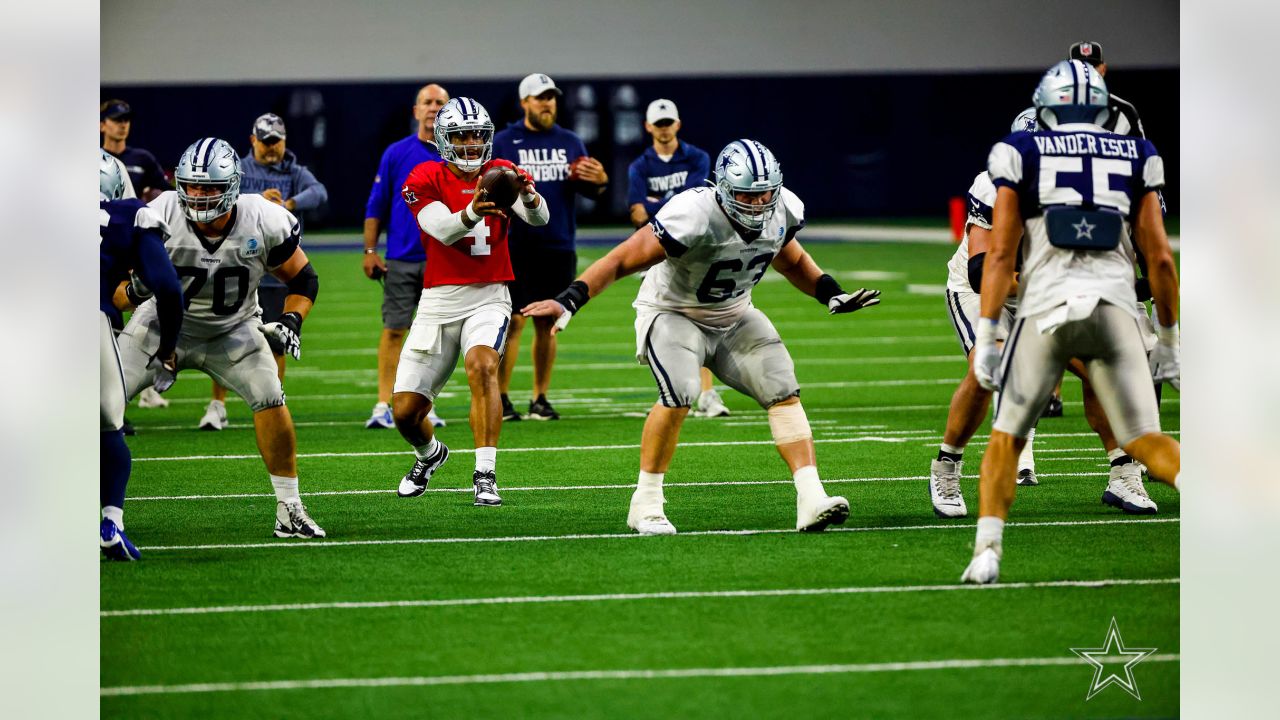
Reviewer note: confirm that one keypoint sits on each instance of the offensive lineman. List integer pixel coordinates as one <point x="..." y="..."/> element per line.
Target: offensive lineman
<point x="1075" y="190"/>
<point x="465" y="307"/>
<point x="131" y="236"/>
<point x="708" y="248"/>
<point x="222" y="243"/>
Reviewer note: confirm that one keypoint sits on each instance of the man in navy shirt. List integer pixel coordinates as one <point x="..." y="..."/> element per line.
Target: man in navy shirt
<point x="272" y="171"/>
<point x="402" y="270"/>
<point x="115" y="119"/>
<point x="667" y="168"/>
<point x="544" y="258"/>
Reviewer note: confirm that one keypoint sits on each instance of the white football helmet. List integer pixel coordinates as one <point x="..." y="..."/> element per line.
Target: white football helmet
<point x="463" y="115"/>
<point x="1071" y="92"/>
<point x="746" y="166"/>
<point x="208" y="163"/>
<point x="110" y="177"/>
<point x="1025" y="121"/>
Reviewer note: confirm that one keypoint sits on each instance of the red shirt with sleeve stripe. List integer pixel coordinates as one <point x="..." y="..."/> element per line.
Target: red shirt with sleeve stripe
<point x="480" y="256"/>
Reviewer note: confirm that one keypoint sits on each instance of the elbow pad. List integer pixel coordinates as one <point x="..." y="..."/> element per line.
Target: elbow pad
<point x="975" y="271"/>
<point x="306" y="283"/>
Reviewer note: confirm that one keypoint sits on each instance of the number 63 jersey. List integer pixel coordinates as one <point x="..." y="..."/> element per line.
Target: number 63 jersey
<point x="220" y="277"/>
<point x="710" y="269"/>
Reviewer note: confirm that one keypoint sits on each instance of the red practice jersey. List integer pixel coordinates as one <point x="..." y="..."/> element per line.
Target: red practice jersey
<point x="480" y="256"/>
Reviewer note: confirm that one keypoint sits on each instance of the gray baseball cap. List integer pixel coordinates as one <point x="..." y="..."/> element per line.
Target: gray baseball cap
<point x="268" y="127"/>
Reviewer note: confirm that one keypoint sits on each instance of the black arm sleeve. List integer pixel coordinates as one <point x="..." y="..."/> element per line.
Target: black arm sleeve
<point x="306" y="283"/>
<point x="827" y="288"/>
<point x="975" y="271"/>
<point x="157" y="272"/>
<point x="281" y="253"/>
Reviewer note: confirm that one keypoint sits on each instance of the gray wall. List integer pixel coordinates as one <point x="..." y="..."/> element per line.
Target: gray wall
<point x="234" y="41"/>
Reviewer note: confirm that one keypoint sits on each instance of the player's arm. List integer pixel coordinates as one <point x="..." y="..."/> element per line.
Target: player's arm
<point x="157" y="273"/>
<point x="997" y="270"/>
<point x="640" y="251"/>
<point x="1150" y="237"/>
<point x="298" y="275"/>
<point x="529" y="205"/>
<point x="795" y="264"/>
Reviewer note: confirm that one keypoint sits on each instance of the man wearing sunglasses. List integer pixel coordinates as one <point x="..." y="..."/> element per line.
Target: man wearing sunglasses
<point x="272" y="171"/>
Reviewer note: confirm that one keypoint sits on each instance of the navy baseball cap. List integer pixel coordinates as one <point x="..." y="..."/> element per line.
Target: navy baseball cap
<point x="268" y="127"/>
<point x="1090" y="52"/>
<point x="116" y="110"/>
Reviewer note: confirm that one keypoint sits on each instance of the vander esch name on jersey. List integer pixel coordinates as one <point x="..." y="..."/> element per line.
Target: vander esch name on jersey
<point x="545" y="164"/>
<point x="1087" y="144"/>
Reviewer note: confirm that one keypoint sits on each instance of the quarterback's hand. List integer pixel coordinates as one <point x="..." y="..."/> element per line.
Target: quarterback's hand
<point x="166" y="371"/>
<point x="480" y="208"/>
<point x="527" y="189"/>
<point x="986" y="356"/>
<point x="282" y="335"/>
<point x="374" y="266"/>
<point x="1166" y="364"/>
<point x="549" y="308"/>
<point x="856" y="300"/>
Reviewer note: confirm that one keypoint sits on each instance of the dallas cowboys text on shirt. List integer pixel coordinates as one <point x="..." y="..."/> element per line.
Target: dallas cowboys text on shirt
<point x="662" y="183"/>
<point x="1087" y="144"/>
<point x="545" y="164"/>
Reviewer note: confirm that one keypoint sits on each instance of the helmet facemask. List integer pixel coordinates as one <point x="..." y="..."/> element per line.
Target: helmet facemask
<point x="211" y="165"/>
<point x="208" y="207"/>
<point x="746" y="166"/>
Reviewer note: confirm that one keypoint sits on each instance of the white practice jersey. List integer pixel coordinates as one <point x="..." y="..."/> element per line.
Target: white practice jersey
<point x="220" y="279"/>
<point x="981" y="198"/>
<point x="710" y="269"/>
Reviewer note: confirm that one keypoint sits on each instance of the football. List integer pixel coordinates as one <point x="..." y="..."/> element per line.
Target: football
<point x="500" y="185"/>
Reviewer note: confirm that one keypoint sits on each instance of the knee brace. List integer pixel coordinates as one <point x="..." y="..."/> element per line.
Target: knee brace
<point x="788" y="423"/>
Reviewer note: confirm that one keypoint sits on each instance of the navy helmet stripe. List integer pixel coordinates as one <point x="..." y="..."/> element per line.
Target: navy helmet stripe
<point x="755" y="172"/>
<point x="200" y="159"/>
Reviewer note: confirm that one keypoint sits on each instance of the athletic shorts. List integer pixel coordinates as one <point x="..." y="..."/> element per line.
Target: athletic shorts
<point x="541" y="275"/>
<point x="964" y="309"/>
<point x="239" y="359"/>
<point x="431" y="350"/>
<point x="748" y="357"/>
<point x="401" y="290"/>
<point x="111" y="379"/>
<point x="1109" y="343"/>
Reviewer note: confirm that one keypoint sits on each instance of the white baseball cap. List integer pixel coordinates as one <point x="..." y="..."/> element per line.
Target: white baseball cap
<point x="661" y="109"/>
<point x="536" y="84"/>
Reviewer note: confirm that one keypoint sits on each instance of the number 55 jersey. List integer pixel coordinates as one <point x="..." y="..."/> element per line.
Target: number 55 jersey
<point x="710" y="268"/>
<point x="220" y="277"/>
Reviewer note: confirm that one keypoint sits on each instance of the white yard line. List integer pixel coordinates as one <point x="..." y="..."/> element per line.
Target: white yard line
<point x="581" y="675"/>
<point x="616" y="597"/>
<point x="629" y="485"/>
<point x="626" y="536"/>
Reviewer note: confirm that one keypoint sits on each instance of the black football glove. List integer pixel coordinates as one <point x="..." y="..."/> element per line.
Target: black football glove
<point x="283" y="335"/>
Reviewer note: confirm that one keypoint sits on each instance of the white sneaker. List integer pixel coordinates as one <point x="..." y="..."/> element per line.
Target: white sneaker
<point x="646" y="516"/>
<point x="944" y="489"/>
<point x="1125" y="491"/>
<point x="1027" y="477"/>
<point x="292" y="520"/>
<point x="710" y="405"/>
<point x="984" y="568"/>
<point x="149" y="398"/>
<point x="816" y="515"/>
<point x="215" y="416"/>
<point x="381" y="417"/>
<point x="434" y="418"/>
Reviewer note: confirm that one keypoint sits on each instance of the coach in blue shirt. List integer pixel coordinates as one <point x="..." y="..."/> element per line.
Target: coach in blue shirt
<point x="115" y="120"/>
<point x="406" y="258"/>
<point x="543" y="258"/>
<point x="667" y="168"/>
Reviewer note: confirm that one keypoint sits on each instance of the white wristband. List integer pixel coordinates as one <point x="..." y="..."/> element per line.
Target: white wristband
<point x="467" y="218"/>
<point x="1167" y="335"/>
<point x="987" y="330"/>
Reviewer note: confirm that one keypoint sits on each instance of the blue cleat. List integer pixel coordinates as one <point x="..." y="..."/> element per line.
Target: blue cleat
<point x="115" y="544"/>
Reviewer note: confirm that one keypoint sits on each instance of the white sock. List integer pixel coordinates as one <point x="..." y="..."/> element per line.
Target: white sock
<point x="114" y="514"/>
<point x="381" y="406"/>
<point x="286" y="487"/>
<point x="486" y="459"/>
<point x="425" y="451"/>
<point x="1027" y="458"/>
<point x="1118" y="452"/>
<point x="219" y="403"/>
<point x="990" y="533"/>
<point x="808" y="486"/>
<point x="952" y="449"/>
<point x="649" y="487"/>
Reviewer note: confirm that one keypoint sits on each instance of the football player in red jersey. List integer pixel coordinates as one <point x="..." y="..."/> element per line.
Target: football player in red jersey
<point x="465" y="307"/>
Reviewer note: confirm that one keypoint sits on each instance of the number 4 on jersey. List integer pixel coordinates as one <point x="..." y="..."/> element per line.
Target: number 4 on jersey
<point x="479" y="236"/>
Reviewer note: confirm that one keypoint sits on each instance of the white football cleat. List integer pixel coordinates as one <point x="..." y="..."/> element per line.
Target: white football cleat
<point x="215" y="416"/>
<point x="944" y="489"/>
<point x="435" y="419"/>
<point x="984" y="568"/>
<point x="1125" y="491"/>
<point x="292" y="520"/>
<point x="149" y="398"/>
<point x="1027" y="477"/>
<point x="709" y="404"/>
<point x="816" y="515"/>
<point x="646" y="516"/>
<point x="381" y="418"/>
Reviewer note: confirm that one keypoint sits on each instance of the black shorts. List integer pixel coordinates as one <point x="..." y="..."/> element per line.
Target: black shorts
<point x="541" y="275"/>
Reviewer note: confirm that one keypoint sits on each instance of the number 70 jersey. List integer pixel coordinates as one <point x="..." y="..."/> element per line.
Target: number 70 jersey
<point x="710" y="269"/>
<point x="220" y="278"/>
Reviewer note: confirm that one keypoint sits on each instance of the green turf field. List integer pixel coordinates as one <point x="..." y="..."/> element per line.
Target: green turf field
<point x="549" y="607"/>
